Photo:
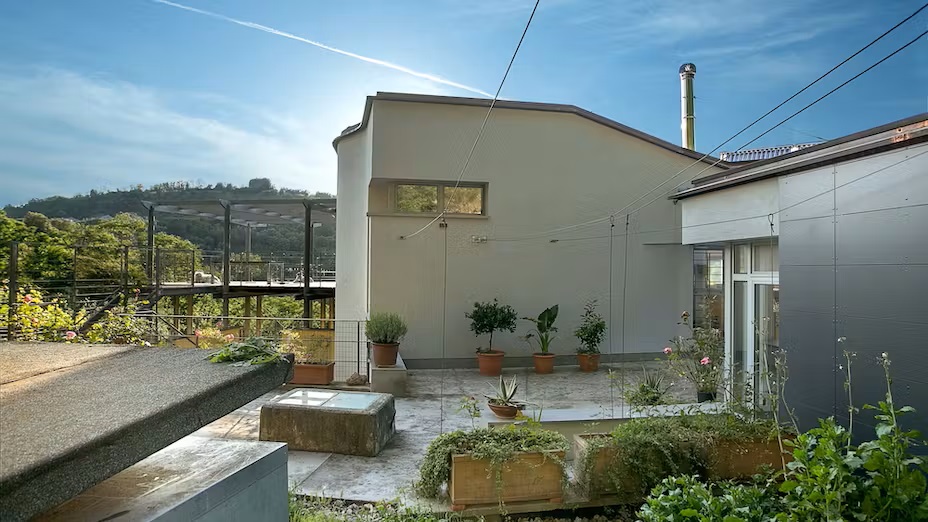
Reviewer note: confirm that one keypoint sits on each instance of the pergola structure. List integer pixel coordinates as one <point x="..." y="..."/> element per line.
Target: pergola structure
<point x="252" y="213"/>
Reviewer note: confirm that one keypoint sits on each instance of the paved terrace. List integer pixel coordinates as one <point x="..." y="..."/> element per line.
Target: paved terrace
<point x="74" y="415"/>
<point x="431" y="409"/>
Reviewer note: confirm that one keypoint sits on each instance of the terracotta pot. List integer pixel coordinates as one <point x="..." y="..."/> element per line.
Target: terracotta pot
<point x="504" y="412"/>
<point x="490" y="363"/>
<point x="705" y="396"/>
<point x="384" y="355"/>
<point x="313" y="373"/>
<point x="589" y="362"/>
<point x="544" y="362"/>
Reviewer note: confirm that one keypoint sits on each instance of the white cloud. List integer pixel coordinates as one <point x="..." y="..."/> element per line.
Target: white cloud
<point x="66" y="133"/>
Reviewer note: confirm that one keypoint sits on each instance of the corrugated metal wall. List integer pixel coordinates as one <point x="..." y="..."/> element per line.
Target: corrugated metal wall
<point x="854" y="265"/>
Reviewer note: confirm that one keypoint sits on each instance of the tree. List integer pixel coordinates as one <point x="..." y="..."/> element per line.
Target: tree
<point x="260" y="184"/>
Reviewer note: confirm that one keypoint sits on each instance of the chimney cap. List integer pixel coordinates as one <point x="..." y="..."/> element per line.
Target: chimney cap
<point x="688" y="68"/>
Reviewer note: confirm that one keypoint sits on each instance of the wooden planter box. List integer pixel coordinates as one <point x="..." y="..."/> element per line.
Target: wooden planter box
<point x="735" y="460"/>
<point x="528" y="476"/>
<point x="313" y="373"/>
<point x="741" y="459"/>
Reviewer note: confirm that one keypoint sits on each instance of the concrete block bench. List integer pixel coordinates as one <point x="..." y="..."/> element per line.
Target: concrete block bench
<point x="331" y="421"/>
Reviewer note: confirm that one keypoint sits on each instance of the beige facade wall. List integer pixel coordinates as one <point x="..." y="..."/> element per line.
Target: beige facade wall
<point x="544" y="170"/>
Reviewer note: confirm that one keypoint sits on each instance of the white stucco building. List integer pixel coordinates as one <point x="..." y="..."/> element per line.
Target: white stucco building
<point x="538" y="167"/>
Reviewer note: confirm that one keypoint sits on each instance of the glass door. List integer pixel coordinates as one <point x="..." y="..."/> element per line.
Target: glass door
<point x="754" y="319"/>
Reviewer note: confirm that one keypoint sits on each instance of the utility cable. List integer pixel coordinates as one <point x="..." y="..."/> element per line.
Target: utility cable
<point x="781" y="104"/>
<point x="483" y="127"/>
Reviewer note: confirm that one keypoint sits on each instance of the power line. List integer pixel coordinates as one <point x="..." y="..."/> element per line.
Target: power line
<point x="793" y="115"/>
<point x="483" y="127"/>
<point x="781" y="104"/>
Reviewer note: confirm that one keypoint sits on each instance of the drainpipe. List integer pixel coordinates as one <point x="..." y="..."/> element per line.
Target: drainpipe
<point x="687" y="108"/>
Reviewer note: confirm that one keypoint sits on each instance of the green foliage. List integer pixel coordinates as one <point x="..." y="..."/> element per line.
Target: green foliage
<point x="496" y="445"/>
<point x="385" y="328"/>
<point x="651" y="391"/>
<point x="205" y="234"/>
<point x="698" y="358"/>
<point x="37" y="320"/>
<point x="318" y="509"/>
<point x="249" y="351"/>
<point x="592" y="329"/>
<point x="490" y="317"/>
<point x="687" y="498"/>
<point x="829" y="479"/>
<point x="121" y="325"/>
<point x="650" y="449"/>
<point x="544" y="330"/>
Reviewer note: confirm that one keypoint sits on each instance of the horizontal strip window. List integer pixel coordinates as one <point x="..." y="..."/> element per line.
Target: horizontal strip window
<point x="433" y="197"/>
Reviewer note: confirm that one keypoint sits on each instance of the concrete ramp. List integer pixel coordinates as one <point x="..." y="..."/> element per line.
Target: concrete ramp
<point x="64" y="430"/>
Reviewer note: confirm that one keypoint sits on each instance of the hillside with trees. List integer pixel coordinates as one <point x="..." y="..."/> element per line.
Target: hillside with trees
<point x="96" y="207"/>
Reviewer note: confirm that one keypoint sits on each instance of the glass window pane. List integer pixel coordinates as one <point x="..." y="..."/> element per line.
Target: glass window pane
<point x="742" y="259"/>
<point x="708" y="288"/>
<point x="464" y="200"/>
<point x="766" y="336"/>
<point x="739" y="340"/>
<point x="766" y="257"/>
<point x="417" y="198"/>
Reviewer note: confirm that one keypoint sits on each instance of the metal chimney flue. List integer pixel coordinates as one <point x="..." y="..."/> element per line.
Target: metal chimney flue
<point x="687" y="106"/>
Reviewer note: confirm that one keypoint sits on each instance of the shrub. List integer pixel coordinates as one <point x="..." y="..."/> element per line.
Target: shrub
<point x="698" y="358"/>
<point x="490" y="317"/>
<point x="250" y="351"/>
<point x="36" y="320"/>
<point x="496" y="445"/>
<point x="385" y="328"/>
<point x="651" y="391"/>
<point x="592" y="329"/>
<point x="687" y="498"/>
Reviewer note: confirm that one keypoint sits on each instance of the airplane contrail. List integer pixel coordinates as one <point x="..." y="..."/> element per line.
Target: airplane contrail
<point x="368" y="59"/>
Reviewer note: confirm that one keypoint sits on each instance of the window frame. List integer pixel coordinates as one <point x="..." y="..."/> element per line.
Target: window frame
<point x="440" y="187"/>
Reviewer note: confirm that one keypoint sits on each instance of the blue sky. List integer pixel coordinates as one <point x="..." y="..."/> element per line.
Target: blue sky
<point x="105" y="94"/>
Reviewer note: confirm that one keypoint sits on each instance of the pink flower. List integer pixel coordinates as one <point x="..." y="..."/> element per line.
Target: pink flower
<point x="197" y="333"/>
<point x="27" y="298"/>
<point x="668" y="350"/>
<point x="70" y="335"/>
<point x="704" y="361"/>
<point x="230" y="337"/>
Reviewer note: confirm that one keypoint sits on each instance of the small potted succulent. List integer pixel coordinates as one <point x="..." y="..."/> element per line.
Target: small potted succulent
<point x="385" y="331"/>
<point x="487" y="318"/>
<point x="502" y="402"/>
<point x="590" y="333"/>
<point x="542" y="335"/>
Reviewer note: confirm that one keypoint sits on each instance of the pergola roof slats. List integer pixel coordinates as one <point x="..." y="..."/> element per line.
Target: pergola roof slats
<point x="257" y="213"/>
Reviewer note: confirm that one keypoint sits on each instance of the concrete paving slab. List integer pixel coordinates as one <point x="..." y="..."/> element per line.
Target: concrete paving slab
<point x="61" y="432"/>
<point x="302" y="464"/>
<point x="430" y="409"/>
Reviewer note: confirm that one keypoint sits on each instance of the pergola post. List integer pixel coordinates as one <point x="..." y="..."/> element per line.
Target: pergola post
<point x="226" y="260"/>
<point x="150" y="253"/>
<point x="307" y="259"/>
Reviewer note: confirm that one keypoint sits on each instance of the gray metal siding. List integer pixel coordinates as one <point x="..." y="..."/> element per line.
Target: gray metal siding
<point x="854" y="264"/>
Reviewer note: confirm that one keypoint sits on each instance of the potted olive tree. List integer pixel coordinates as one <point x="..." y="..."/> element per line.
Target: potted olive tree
<point x="542" y="335"/>
<point x="487" y="318"/>
<point x="385" y="331"/>
<point x="590" y="333"/>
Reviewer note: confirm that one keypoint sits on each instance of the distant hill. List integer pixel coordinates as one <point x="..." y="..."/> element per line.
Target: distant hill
<point x="206" y="234"/>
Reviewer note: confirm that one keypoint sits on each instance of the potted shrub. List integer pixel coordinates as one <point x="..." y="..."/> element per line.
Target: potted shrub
<point x="698" y="358"/>
<point x="590" y="333"/>
<point x="313" y="362"/>
<point x="542" y="335"/>
<point x="385" y="331"/>
<point x="502" y="402"/>
<point x="487" y="318"/>
<point x="494" y="465"/>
